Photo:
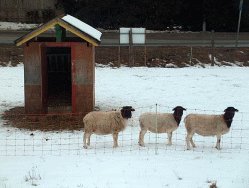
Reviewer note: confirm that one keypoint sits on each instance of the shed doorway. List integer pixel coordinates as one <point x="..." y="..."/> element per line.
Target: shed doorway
<point x="59" y="79"/>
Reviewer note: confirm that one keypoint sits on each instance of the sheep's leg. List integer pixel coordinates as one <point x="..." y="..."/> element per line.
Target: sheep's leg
<point x="192" y="142"/>
<point x="86" y="136"/>
<point x="170" y="138"/>
<point x="141" y="137"/>
<point x="88" y="139"/>
<point x="84" y="141"/>
<point x="218" y="142"/>
<point x="189" y="139"/>
<point x="115" y="140"/>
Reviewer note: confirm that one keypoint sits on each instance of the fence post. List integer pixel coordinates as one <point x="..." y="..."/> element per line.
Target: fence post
<point x="191" y="55"/>
<point x="119" y="55"/>
<point x="130" y="48"/>
<point x="145" y="51"/>
<point x="145" y="55"/>
<point x="156" y="144"/>
<point x="212" y="43"/>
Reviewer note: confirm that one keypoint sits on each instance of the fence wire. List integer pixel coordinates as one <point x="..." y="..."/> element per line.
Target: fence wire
<point x="170" y="56"/>
<point x="62" y="134"/>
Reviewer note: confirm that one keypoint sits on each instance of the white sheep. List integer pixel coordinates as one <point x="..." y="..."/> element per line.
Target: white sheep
<point x="160" y="123"/>
<point x="209" y="125"/>
<point x="104" y="123"/>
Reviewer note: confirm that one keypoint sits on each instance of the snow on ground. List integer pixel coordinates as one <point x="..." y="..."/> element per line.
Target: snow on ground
<point x="58" y="160"/>
<point x="17" y="26"/>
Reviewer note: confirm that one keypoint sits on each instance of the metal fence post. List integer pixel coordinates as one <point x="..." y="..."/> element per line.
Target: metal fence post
<point x="156" y="144"/>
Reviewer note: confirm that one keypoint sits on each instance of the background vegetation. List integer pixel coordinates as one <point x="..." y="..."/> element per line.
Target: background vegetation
<point x="221" y="15"/>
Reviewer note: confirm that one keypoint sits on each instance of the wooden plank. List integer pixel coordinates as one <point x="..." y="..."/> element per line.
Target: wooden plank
<point x="36" y="32"/>
<point x="52" y="23"/>
<point x="79" y="33"/>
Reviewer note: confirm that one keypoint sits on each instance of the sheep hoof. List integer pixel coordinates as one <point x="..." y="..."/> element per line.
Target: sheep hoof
<point x="169" y="144"/>
<point x="140" y="144"/>
<point x="85" y="147"/>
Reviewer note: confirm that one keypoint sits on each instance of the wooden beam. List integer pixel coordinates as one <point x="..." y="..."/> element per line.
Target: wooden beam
<point x="78" y="33"/>
<point x="63" y="24"/>
<point x="36" y="32"/>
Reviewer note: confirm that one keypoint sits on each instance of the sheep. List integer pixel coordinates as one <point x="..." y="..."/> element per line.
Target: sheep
<point x="209" y="125"/>
<point x="103" y="123"/>
<point x="166" y="123"/>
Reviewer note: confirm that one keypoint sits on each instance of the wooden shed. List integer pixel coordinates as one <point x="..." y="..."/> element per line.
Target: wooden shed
<point x="59" y="67"/>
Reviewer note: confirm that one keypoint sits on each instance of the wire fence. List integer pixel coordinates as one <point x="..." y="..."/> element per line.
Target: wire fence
<point x="150" y="56"/>
<point x="53" y="137"/>
<point x="170" y="56"/>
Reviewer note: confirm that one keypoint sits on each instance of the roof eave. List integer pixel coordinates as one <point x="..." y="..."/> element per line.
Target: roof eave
<point x="36" y="32"/>
<point x="52" y="23"/>
<point x="78" y="32"/>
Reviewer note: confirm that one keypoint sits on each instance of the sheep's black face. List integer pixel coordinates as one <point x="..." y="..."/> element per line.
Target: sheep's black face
<point x="178" y="113"/>
<point x="126" y="112"/>
<point x="230" y="111"/>
<point x="229" y="114"/>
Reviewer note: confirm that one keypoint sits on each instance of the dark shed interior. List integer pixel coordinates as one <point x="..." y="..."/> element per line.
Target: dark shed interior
<point x="59" y="77"/>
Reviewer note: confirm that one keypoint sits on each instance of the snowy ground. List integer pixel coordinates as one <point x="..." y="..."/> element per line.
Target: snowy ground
<point x="16" y="26"/>
<point x="58" y="160"/>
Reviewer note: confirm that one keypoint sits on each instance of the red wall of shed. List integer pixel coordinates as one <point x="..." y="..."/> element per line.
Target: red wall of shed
<point x="32" y="79"/>
<point x="83" y="76"/>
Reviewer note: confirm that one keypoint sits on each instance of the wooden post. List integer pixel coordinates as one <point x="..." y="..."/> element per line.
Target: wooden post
<point x="212" y="49"/>
<point x="145" y="51"/>
<point x="240" y="11"/>
<point x="119" y="51"/>
<point x="191" y="56"/>
<point x="145" y="55"/>
<point x="130" y="47"/>
<point x="58" y="33"/>
<point x="119" y="55"/>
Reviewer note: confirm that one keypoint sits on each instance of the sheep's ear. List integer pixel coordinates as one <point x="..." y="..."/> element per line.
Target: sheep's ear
<point x="178" y="107"/>
<point x="184" y="108"/>
<point x="231" y="109"/>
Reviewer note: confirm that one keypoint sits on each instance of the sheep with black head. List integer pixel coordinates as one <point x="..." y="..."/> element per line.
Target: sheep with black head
<point x="103" y="123"/>
<point x="209" y="125"/>
<point x="160" y="123"/>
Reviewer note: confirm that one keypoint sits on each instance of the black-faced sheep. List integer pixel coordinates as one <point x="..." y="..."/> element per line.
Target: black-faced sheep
<point x="209" y="125"/>
<point x="160" y="123"/>
<point x="103" y="123"/>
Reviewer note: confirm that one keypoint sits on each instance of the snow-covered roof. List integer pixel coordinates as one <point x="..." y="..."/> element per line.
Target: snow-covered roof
<point x="70" y="23"/>
<point x="82" y="26"/>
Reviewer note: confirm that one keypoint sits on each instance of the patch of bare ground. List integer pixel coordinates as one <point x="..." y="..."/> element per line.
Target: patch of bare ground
<point x="16" y="117"/>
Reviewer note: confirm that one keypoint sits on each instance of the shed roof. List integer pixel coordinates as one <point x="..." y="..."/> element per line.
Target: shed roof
<point x="70" y="23"/>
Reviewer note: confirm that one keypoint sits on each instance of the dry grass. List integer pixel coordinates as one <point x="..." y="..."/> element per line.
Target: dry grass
<point x="212" y="184"/>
